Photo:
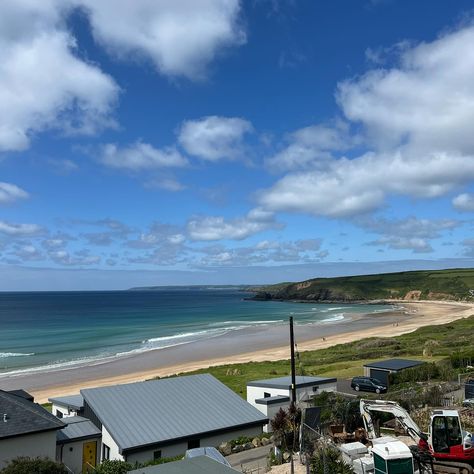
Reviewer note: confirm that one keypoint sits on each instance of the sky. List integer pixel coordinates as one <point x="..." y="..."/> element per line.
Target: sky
<point x="178" y="142"/>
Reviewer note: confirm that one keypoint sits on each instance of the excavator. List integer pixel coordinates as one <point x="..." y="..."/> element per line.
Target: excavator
<point x="450" y="447"/>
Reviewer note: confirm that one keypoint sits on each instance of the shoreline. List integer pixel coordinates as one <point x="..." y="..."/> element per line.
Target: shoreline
<point x="251" y="345"/>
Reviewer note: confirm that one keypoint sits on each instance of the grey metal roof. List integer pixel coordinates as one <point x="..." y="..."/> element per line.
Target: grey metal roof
<point x="76" y="402"/>
<point x="77" y="428"/>
<point x="272" y="400"/>
<point x="285" y="382"/>
<point x="394" y="364"/>
<point x="157" y="411"/>
<point x="23" y="416"/>
<point x="199" y="465"/>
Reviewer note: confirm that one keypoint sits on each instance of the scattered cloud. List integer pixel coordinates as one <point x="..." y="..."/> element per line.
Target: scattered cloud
<point x="141" y="156"/>
<point x="214" y="138"/>
<point x="181" y="37"/>
<point x="63" y="257"/>
<point x="43" y="83"/>
<point x="167" y="184"/>
<point x="464" y="202"/>
<point x="10" y="193"/>
<point x="14" y="230"/>
<point x="63" y="167"/>
<point x="218" y="228"/>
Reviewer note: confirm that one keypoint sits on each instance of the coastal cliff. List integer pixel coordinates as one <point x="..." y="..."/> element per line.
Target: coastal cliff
<point x="453" y="284"/>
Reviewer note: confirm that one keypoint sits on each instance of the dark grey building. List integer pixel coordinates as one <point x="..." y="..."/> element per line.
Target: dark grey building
<point x="380" y="370"/>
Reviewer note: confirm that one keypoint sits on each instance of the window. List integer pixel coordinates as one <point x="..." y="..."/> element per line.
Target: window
<point x="105" y="452"/>
<point x="59" y="414"/>
<point x="194" y="443"/>
<point x="266" y="395"/>
<point x="156" y="455"/>
<point x="316" y="388"/>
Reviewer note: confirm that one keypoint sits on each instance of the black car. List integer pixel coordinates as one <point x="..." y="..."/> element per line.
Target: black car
<point x="368" y="384"/>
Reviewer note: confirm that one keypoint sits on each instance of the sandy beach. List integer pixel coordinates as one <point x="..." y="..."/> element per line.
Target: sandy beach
<point x="256" y="344"/>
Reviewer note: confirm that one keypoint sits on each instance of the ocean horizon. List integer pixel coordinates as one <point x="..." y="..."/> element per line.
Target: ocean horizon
<point x="45" y="331"/>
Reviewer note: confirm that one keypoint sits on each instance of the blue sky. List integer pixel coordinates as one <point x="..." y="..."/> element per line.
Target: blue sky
<point x="216" y="141"/>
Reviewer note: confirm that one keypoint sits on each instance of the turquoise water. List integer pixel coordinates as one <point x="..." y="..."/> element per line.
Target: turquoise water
<point x="55" y="329"/>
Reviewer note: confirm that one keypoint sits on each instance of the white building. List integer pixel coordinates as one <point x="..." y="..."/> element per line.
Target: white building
<point x="162" y="418"/>
<point x="269" y="395"/>
<point x="26" y="429"/>
<point x="70" y="405"/>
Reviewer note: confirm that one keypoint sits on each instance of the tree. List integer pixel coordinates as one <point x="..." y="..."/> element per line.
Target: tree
<point x="327" y="460"/>
<point x="280" y="425"/>
<point x="26" y="465"/>
<point x="113" y="467"/>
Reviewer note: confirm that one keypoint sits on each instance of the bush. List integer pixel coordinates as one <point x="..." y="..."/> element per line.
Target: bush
<point x="328" y="459"/>
<point x="113" y="467"/>
<point x="421" y="373"/>
<point x="461" y="360"/>
<point x="154" y="462"/>
<point x="25" y="465"/>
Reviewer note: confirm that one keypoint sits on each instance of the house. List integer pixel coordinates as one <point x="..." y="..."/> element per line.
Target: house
<point x="198" y="465"/>
<point x="26" y="428"/>
<point x="63" y="407"/>
<point x="269" y="395"/>
<point x="163" y="418"/>
<point x="380" y="370"/>
<point x="77" y="444"/>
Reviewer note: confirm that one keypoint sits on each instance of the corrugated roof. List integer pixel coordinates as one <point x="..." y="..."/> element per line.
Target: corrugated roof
<point x="75" y="402"/>
<point x="23" y="416"/>
<point x="199" y="465"/>
<point x="394" y="364"/>
<point x="156" y="411"/>
<point x="77" y="428"/>
<point x="285" y="382"/>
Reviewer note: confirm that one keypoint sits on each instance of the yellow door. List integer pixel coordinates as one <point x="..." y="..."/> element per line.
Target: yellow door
<point x="89" y="456"/>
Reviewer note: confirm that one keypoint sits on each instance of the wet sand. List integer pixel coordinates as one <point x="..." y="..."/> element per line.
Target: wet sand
<point x="246" y="345"/>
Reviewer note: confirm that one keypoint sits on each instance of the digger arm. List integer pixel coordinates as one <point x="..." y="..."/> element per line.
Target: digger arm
<point x="369" y="406"/>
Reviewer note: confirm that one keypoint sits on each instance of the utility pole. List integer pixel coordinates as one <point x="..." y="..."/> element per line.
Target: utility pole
<point x="293" y="383"/>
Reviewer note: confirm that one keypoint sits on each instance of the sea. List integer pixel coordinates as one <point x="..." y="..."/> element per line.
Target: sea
<point x="43" y="331"/>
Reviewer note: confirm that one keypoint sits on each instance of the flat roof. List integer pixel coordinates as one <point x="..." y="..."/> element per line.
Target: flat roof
<point x="24" y="417"/>
<point x="197" y="465"/>
<point x="75" y="402"/>
<point x="285" y="382"/>
<point x="77" y="428"/>
<point x="166" y="410"/>
<point x="394" y="364"/>
<point x="272" y="400"/>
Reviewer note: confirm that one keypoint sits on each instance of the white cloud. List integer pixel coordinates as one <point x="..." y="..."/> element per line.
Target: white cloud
<point x="218" y="228"/>
<point x="63" y="257"/>
<point x="167" y="184"/>
<point x="464" y="202"/>
<point x="141" y="156"/>
<point x="14" y="230"/>
<point x="43" y="84"/>
<point x="11" y="193"/>
<point x="311" y="147"/>
<point x="181" y="37"/>
<point x="418" y="128"/>
<point x="214" y="138"/>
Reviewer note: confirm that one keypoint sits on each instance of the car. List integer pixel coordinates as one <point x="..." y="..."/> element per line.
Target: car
<point x="210" y="452"/>
<point x="368" y="384"/>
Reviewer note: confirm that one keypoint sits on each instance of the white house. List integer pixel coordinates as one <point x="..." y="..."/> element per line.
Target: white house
<point x="161" y="418"/>
<point x="269" y="395"/>
<point x="70" y="405"/>
<point x="26" y="429"/>
<point x="78" y="444"/>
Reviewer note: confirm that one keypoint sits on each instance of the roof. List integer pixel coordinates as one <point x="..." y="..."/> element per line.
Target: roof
<point x="285" y="382"/>
<point x="22" y="393"/>
<point x="392" y="450"/>
<point x="76" y="402"/>
<point x="394" y="364"/>
<point x="198" y="465"/>
<point x="24" y="417"/>
<point x="272" y="400"/>
<point x="77" y="428"/>
<point x="160" y="411"/>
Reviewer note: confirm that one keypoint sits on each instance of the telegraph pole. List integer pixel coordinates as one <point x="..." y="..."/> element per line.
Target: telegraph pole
<point x="293" y="383"/>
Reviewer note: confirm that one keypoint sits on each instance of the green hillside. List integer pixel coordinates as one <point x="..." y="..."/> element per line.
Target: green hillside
<point x="452" y="284"/>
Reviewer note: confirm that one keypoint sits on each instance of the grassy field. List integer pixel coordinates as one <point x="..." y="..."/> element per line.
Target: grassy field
<point x="454" y="284"/>
<point x="347" y="360"/>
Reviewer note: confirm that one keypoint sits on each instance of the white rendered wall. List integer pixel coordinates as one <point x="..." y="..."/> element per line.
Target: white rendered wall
<point x="66" y="412"/>
<point x="73" y="458"/>
<point x="35" y="445"/>
<point x="109" y="441"/>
